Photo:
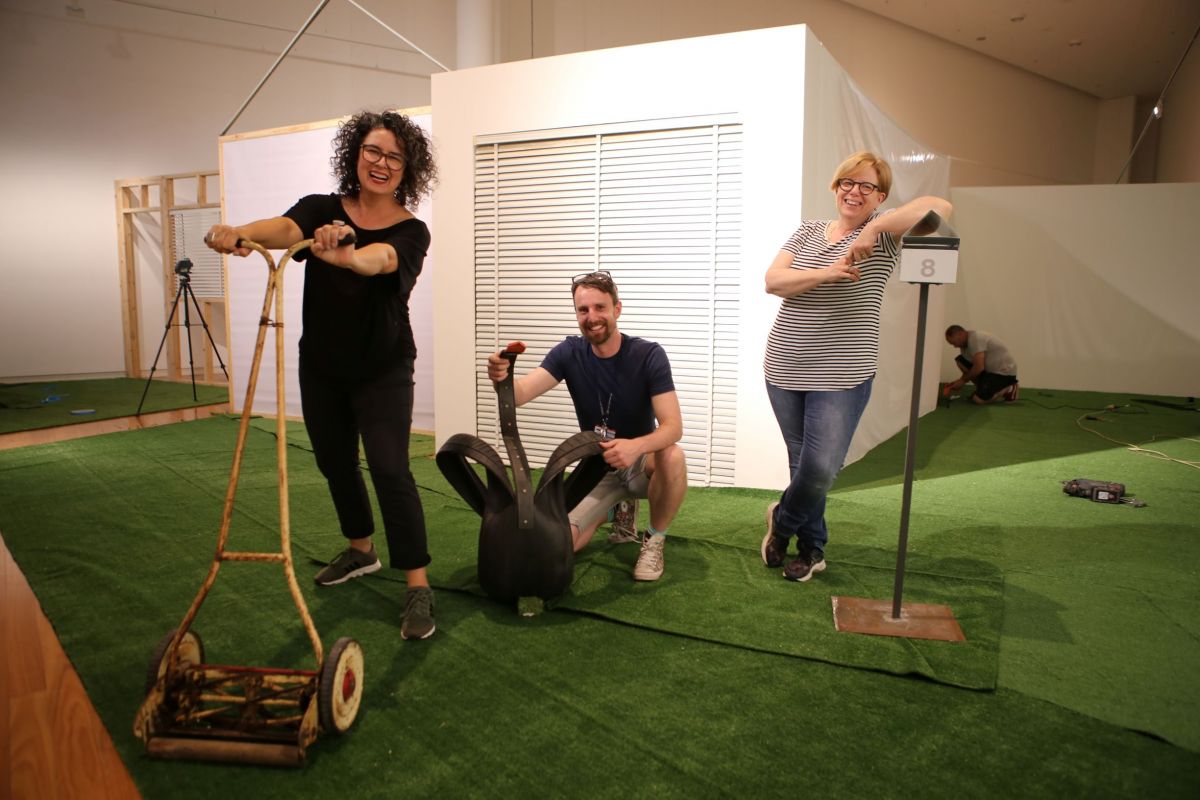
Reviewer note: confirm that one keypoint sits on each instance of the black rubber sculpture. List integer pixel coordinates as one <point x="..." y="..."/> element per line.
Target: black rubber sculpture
<point x="525" y="545"/>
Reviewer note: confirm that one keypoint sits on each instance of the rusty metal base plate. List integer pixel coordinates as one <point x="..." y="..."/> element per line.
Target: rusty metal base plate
<point x="917" y="620"/>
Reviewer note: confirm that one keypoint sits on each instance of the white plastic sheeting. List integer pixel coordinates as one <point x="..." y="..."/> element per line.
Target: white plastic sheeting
<point x="916" y="171"/>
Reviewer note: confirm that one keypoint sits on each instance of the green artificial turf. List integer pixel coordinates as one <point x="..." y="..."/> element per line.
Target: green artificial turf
<point x="692" y="683"/>
<point x="1102" y="602"/>
<point x="48" y="404"/>
<point x="716" y="587"/>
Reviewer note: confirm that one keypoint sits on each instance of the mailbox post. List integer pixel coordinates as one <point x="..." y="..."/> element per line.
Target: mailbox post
<point x="929" y="256"/>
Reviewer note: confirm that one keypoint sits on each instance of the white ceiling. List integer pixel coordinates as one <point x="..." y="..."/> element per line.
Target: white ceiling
<point x="1124" y="47"/>
<point x="1121" y="47"/>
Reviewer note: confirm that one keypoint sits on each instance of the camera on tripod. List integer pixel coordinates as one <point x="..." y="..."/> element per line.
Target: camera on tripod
<point x="183" y="271"/>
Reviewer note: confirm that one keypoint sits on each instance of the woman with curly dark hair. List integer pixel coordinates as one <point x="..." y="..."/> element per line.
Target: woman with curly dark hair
<point x="357" y="350"/>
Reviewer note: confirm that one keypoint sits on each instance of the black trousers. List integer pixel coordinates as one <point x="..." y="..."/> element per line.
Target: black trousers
<point x="379" y="410"/>
<point x="987" y="383"/>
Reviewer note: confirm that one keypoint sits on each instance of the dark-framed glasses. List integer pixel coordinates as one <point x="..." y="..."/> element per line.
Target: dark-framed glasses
<point x="599" y="276"/>
<point x="866" y="187"/>
<point x="373" y="155"/>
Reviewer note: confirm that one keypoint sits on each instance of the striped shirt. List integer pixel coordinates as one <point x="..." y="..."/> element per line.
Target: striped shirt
<point x="827" y="338"/>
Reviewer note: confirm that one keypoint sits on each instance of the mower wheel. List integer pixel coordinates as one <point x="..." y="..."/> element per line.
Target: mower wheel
<point x="191" y="651"/>
<point x="339" y="692"/>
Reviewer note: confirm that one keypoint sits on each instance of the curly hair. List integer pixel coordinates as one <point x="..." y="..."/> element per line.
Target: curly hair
<point x="420" y="173"/>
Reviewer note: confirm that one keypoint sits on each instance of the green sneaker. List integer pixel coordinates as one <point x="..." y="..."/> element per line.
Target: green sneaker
<point x="418" y="614"/>
<point x="349" y="563"/>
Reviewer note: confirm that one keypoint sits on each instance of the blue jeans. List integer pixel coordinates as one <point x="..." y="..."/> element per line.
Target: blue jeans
<point x="817" y="428"/>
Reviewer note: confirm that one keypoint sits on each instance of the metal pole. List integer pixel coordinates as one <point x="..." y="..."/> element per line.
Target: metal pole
<point x="185" y="287"/>
<point x="311" y="17"/>
<point x="398" y="35"/>
<point x="910" y="455"/>
<point x="1158" y="104"/>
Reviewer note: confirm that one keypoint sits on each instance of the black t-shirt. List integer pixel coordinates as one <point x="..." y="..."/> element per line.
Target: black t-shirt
<point x="615" y="391"/>
<point x="357" y="326"/>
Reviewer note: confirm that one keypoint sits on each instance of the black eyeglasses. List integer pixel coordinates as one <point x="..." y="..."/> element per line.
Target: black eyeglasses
<point x="866" y="187"/>
<point x="599" y="276"/>
<point x="373" y="154"/>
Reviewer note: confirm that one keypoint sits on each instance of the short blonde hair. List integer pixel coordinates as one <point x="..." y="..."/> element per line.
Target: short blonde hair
<point x="864" y="158"/>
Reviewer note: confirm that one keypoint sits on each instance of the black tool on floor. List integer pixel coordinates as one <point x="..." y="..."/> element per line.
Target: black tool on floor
<point x="1100" y="491"/>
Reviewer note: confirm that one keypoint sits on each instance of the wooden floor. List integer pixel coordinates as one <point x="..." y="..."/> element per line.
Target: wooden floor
<point x="52" y="743"/>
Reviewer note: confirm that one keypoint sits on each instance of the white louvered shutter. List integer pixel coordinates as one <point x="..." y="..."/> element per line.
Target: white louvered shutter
<point x="188" y="228"/>
<point x="660" y="209"/>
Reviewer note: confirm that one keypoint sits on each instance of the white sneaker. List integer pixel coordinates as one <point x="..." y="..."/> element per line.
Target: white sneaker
<point x="649" y="566"/>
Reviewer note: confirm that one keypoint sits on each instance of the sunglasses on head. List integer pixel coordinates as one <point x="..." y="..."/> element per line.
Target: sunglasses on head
<point x="599" y="276"/>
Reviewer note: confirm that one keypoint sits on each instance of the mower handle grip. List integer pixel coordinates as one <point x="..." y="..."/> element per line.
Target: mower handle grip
<point x="351" y="238"/>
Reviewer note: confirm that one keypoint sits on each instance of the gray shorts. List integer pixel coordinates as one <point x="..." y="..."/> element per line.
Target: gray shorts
<point x="615" y="486"/>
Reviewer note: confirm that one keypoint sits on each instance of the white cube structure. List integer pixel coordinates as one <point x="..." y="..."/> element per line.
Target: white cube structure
<point x="787" y="115"/>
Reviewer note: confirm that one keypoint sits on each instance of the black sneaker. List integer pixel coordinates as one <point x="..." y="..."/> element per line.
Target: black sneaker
<point x="805" y="566"/>
<point x="418" y="614"/>
<point x="350" y="563"/>
<point x="774" y="548"/>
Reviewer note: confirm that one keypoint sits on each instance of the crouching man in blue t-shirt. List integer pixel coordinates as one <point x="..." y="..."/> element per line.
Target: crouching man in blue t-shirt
<point x="620" y="386"/>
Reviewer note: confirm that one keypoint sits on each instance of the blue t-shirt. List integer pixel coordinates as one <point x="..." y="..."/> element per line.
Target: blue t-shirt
<point x="613" y="392"/>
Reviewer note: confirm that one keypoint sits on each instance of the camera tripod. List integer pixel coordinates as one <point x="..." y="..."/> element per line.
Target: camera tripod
<point x="183" y="269"/>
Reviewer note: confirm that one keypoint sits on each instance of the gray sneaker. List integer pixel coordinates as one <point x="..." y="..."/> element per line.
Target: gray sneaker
<point x="624" y="522"/>
<point x="418" y="614"/>
<point x="350" y="563"/>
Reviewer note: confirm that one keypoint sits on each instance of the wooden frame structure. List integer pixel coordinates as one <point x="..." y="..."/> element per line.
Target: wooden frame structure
<point x="159" y="196"/>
